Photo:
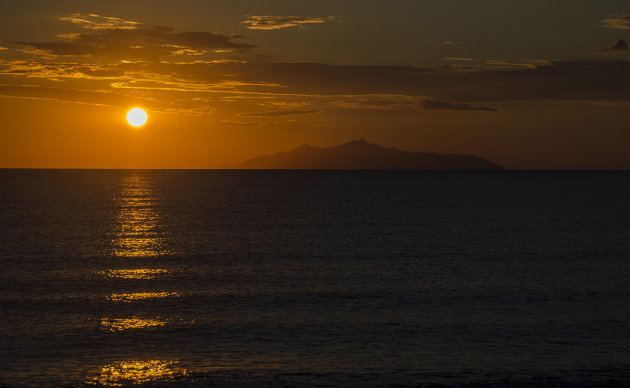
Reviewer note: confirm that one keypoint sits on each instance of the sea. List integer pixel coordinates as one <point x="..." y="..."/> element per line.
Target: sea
<point x="233" y="278"/>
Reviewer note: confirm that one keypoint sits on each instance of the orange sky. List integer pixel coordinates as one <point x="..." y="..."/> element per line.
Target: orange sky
<point x="69" y="74"/>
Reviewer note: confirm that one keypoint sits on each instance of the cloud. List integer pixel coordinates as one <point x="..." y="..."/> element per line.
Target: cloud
<point x="569" y="80"/>
<point x="50" y="71"/>
<point x="121" y="61"/>
<point x="618" y="22"/>
<point x="386" y="102"/>
<point x="468" y="63"/>
<point x="66" y="95"/>
<point x="459" y="59"/>
<point x="287" y="85"/>
<point x="620" y="45"/>
<point x="127" y="60"/>
<point x="132" y="40"/>
<point x="280" y="113"/>
<point x="435" y="104"/>
<point x="278" y="22"/>
<point x="98" y="22"/>
<point x="239" y="123"/>
<point x="287" y="104"/>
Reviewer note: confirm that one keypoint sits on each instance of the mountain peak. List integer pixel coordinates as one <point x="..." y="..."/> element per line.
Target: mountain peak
<point x="361" y="155"/>
<point x="356" y="142"/>
<point x="361" y="143"/>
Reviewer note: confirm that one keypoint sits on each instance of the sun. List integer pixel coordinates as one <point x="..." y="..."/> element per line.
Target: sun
<point x="137" y="117"/>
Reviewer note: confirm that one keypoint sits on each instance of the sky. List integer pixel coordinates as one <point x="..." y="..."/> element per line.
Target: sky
<point x="526" y="84"/>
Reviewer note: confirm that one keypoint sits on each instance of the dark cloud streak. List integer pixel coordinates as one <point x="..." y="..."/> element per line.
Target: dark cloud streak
<point x="280" y="113"/>
<point x="239" y="123"/>
<point x="571" y="80"/>
<point x="445" y="105"/>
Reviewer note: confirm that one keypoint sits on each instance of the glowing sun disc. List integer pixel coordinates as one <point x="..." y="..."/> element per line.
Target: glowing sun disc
<point x="137" y="117"/>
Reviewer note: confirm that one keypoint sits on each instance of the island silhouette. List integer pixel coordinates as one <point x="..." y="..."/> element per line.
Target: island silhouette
<point x="361" y="155"/>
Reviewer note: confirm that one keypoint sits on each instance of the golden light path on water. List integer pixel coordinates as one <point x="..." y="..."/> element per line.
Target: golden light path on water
<point x="140" y="273"/>
<point x="131" y="297"/>
<point x="137" y="232"/>
<point x="137" y="372"/>
<point x="120" y="324"/>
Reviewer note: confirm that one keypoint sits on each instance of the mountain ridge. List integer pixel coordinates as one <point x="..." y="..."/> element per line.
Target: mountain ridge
<point x="362" y="155"/>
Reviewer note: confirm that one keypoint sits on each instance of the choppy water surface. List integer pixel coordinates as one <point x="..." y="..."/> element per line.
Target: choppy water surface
<point x="196" y="278"/>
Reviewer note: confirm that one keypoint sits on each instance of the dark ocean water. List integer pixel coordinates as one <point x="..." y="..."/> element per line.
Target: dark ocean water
<point x="314" y="278"/>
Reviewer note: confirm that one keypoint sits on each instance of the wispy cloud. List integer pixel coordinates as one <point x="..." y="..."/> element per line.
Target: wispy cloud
<point x="57" y="71"/>
<point x="287" y="104"/>
<point x="529" y="64"/>
<point x="278" y="22"/>
<point x="479" y="64"/>
<point x="378" y="102"/>
<point x="280" y="113"/>
<point x="621" y="22"/>
<point x="65" y="95"/>
<point x="97" y="22"/>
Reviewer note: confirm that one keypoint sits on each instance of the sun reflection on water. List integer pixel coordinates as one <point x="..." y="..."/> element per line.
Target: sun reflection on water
<point x="140" y="273"/>
<point x="138" y="372"/>
<point x="138" y="230"/>
<point x="120" y="324"/>
<point x="131" y="297"/>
